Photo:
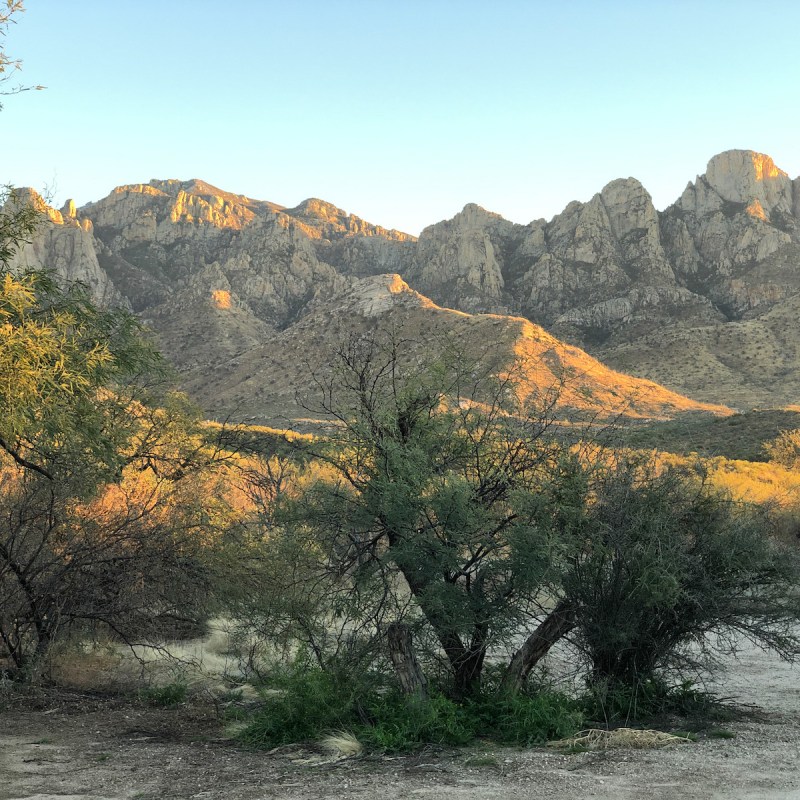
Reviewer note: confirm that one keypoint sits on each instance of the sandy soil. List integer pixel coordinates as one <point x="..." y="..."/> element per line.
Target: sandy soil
<point x="70" y="746"/>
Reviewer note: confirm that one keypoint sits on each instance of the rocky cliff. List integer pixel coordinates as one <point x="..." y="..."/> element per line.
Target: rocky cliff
<point x="66" y="245"/>
<point x="158" y="240"/>
<point x="613" y="269"/>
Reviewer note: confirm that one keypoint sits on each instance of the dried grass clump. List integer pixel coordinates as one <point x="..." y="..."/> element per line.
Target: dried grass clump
<point x="341" y="744"/>
<point x="598" y="739"/>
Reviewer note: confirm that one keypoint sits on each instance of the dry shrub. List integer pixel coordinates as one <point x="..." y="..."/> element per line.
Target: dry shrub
<point x="599" y="739"/>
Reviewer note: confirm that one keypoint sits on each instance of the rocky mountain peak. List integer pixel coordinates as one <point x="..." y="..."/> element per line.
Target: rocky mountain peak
<point x="629" y="207"/>
<point x="735" y="173"/>
<point x="472" y="213"/>
<point x="164" y="211"/>
<point x="471" y="217"/>
<point x="219" y="197"/>
<point x="314" y="207"/>
<point x="460" y="261"/>
<point x="322" y="220"/>
<point x="740" y="180"/>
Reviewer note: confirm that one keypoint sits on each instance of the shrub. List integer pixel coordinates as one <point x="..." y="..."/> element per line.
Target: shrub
<point x="785" y="449"/>
<point x="107" y="489"/>
<point x="399" y="723"/>
<point x="663" y="563"/>
<point x="528" y="719"/>
<point x="304" y="704"/>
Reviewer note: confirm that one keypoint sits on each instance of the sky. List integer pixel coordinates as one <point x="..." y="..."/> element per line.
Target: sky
<point x="398" y="111"/>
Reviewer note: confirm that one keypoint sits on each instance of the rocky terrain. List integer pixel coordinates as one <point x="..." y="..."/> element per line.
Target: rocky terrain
<point x="244" y="294"/>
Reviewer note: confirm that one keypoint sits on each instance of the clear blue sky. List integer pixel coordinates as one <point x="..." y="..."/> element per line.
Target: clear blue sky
<point x="400" y="112"/>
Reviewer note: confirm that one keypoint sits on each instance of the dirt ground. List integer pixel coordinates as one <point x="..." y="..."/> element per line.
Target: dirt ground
<point x="70" y="746"/>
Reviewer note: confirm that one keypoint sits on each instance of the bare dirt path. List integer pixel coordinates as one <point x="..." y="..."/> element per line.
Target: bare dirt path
<point x="79" y="746"/>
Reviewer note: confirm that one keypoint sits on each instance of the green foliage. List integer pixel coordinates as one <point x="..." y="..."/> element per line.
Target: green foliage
<point x="616" y="703"/>
<point x="67" y="374"/>
<point x="306" y="703"/>
<point x="662" y="563"/>
<point x="303" y="703"/>
<point x="399" y="724"/>
<point x="168" y="696"/>
<point x="527" y="718"/>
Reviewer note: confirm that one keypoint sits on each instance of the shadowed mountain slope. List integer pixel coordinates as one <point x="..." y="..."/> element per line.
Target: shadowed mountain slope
<point x="277" y="382"/>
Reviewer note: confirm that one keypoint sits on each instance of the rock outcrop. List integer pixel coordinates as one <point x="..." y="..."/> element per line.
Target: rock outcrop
<point x="460" y="262"/>
<point x="733" y="235"/>
<point x="65" y="245"/>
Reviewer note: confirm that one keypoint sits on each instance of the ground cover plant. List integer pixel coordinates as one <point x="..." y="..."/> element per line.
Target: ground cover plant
<point x="311" y="702"/>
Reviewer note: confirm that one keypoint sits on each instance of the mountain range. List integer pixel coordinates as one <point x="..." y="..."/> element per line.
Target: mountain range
<point x="247" y="297"/>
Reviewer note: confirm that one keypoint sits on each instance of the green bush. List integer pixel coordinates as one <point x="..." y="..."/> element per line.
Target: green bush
<point x="399" y="723"/>
<point x="303" y="704"/>
<point x="667" y="571"/>
<point x="528" y="719"/>
<point x="785" y="449"/>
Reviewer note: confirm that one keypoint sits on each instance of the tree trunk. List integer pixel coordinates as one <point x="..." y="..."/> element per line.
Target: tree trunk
<point x="467" y="677"/>
<point x="559" y="622"/>
<point x="409" y="673"/>
<point x="457" y="654"/>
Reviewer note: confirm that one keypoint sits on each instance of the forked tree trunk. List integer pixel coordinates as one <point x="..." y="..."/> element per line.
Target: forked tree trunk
<point x="559" y="622"/>
<point x="409" y="673"/>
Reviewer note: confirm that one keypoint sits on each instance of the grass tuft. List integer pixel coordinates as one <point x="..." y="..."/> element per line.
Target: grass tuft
<point x="173" y="694"/>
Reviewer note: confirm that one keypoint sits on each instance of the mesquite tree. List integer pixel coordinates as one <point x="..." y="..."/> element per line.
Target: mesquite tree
<point x="440" y="506"/>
